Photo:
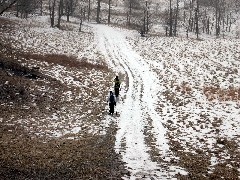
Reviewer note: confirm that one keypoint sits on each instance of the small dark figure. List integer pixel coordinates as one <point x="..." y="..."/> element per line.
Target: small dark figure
<point x="117" y="86"/>
<point x="112" y="102"/>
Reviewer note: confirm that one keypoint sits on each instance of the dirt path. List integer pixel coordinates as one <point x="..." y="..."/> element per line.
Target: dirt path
<point x="138" y="118"/>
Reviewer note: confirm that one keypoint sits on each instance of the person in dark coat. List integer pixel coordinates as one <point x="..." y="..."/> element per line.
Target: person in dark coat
<point x="117" y="86"/>
<point x="112" y="102"/>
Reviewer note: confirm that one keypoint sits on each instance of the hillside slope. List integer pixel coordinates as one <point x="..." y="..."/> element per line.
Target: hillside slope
<point x="178" y="109"/>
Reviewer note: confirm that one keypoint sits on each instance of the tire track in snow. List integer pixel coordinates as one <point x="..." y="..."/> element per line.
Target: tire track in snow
<point x="137" y="107"/>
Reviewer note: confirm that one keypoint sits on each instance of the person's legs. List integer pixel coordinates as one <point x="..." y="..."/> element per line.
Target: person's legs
<point x="111" y="108"/>
<point x="116" y="92"/>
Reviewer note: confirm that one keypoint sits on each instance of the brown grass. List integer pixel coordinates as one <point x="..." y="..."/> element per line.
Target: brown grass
<point x="217" y="93"/>
<point x="171" y="96"/>
<point x="198" y="164"/>
<point x="64" y="60"/>
<point x="29" y="157"/>
<point x="15" y="80"/>
<point x="184" y="88"/>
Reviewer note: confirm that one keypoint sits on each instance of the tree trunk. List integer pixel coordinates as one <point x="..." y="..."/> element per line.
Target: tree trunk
<point x="109" y="11"/>
<point x="216" y="17"/>
<point x="17" y="9"/>
<point x="68" y="12"/>
<point x="60" y="13"/>
<point x="190" y="22"/>
<point x="176" y="19"/>
<point x="208" y="26"/>
<point x="184" y="16"/>
<point x="41" y="6"/>
<point x="144" y="24"/>
<point x="84" y="13"/>
<point x="171" y="20"/>
<point x="52" y="11"/>
<point x="129" y="14"/>
<point x="197" y="20"/>
<point x="81" y="20"/>
<point x="89" y="9"/>
<point x="98" y="11"/>
<point x="147" y="17"/>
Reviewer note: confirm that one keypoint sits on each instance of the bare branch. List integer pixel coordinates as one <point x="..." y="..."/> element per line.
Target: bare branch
<point x="9" y="6"/>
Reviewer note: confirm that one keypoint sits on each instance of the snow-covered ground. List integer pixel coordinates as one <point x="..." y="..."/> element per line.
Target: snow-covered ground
<point x="159" y="69"/>
<point x="197" y="119"/>
<point x="166" y="98"/>
<point x="138" y="106"/>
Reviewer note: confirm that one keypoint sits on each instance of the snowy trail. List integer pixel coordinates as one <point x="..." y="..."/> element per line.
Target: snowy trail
<point x="138" y="108"/>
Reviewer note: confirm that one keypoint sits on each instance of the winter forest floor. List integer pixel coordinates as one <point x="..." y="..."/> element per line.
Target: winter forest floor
<point x="53" y="122"/>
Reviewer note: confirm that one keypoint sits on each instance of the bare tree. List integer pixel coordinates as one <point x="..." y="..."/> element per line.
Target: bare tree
<point x="217" y="28"/>
<point x="176" y="18"/>
<point x="170" y="19"/>
<point x="41" y="7"/>
<point x="147" y="16"/>
<point x="135" y="13"/>
<point x="52" y="4"/>
<point x="98" y="11"/>
<point x="89" y="9"/>
<point x="69" y="8"/>
<point x="129" y="13"/>
<point x="109" y="11"/>
<point x="220" y="12"/>
<point x="60" y="13"/>
<point x="145" y="27"/>
<point x="197" y="19"/>
<point x="25" y="7"/>
<point x="81" y="20"/>
<point x="130" y="5"/>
